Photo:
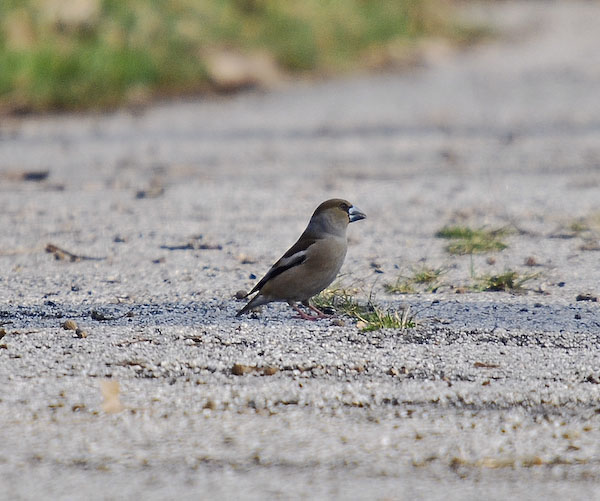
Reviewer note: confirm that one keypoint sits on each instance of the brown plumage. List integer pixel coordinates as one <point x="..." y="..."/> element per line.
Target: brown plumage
<point x="312" y="263"/>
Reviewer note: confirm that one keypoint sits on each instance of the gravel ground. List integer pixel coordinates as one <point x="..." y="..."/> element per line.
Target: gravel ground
<point x="493" y="394"/>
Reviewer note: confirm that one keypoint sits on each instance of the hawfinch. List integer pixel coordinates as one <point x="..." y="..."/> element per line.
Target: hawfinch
<point x="312" y="263"/>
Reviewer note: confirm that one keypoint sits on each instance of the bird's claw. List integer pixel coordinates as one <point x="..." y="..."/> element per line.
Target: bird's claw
<point x="306" y="316"/>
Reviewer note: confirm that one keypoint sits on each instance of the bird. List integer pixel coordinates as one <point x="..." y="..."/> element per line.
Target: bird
<point x="312" y="263"/>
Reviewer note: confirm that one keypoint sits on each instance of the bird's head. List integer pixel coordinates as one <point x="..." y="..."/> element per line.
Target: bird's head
<point x="334" y="216"/>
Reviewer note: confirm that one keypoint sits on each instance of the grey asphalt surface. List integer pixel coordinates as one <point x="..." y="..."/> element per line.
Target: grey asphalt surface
<point x="493" y="394"/>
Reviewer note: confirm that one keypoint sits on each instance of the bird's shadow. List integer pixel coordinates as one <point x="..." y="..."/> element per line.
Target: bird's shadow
<point x="54" y="313"/>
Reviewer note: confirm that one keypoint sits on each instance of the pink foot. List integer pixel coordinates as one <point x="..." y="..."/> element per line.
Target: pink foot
<point x="302" y="315"/>
<point x="319" y="313"/>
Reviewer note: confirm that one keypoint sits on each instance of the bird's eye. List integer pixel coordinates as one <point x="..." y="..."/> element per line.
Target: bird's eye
<point x="344" y="207"/>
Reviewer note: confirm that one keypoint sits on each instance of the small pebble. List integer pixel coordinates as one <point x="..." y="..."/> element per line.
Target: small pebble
<point x="586" y="297"/>
<point x="241" y="369"/>
<point x="530" y="261"/>
<point x="244" y="259"/>
<point x="69" y="325"/>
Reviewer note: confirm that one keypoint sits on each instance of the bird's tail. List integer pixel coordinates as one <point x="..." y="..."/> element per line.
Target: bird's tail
<point x="253" y="303"/>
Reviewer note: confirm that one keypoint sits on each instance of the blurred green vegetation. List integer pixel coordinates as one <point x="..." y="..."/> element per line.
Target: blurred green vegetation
<point x="80" y="54"/>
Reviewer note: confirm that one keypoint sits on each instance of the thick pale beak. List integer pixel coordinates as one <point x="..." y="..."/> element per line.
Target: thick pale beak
<point x="355" y="214"/>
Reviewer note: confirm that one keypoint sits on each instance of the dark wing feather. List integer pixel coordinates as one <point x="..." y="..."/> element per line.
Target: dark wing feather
<point x="277" y="270"/>
<point x="303" y="243"/>
<point x="285" y="263"/>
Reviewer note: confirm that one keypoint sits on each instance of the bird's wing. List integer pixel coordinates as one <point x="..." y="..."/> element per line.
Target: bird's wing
<point x="295" y="256"/>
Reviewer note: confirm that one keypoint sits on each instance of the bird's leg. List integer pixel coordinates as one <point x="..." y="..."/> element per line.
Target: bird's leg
<point x="301" y="314"/>
<point x="319" y="313"/>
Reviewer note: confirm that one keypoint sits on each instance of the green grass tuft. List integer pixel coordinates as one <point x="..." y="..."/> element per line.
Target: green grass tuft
<point x="425" y="279"/>
<point x="338" y="299"/>
<point x="101" y="53"/>
<point x="385" y="319"/>
<point x="578" y="227"/>
<point x="401" y="286"/>
<point x="427" y="275"/>
<point x="466" y="240"/>
<point x="369" y="316"/>
<point x="509" y="281"/>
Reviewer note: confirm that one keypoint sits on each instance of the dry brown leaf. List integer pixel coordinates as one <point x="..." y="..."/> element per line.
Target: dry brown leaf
<point x="485" y="365"/>
<point x="241" y="369"/>
<point x="110" y="393"/>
